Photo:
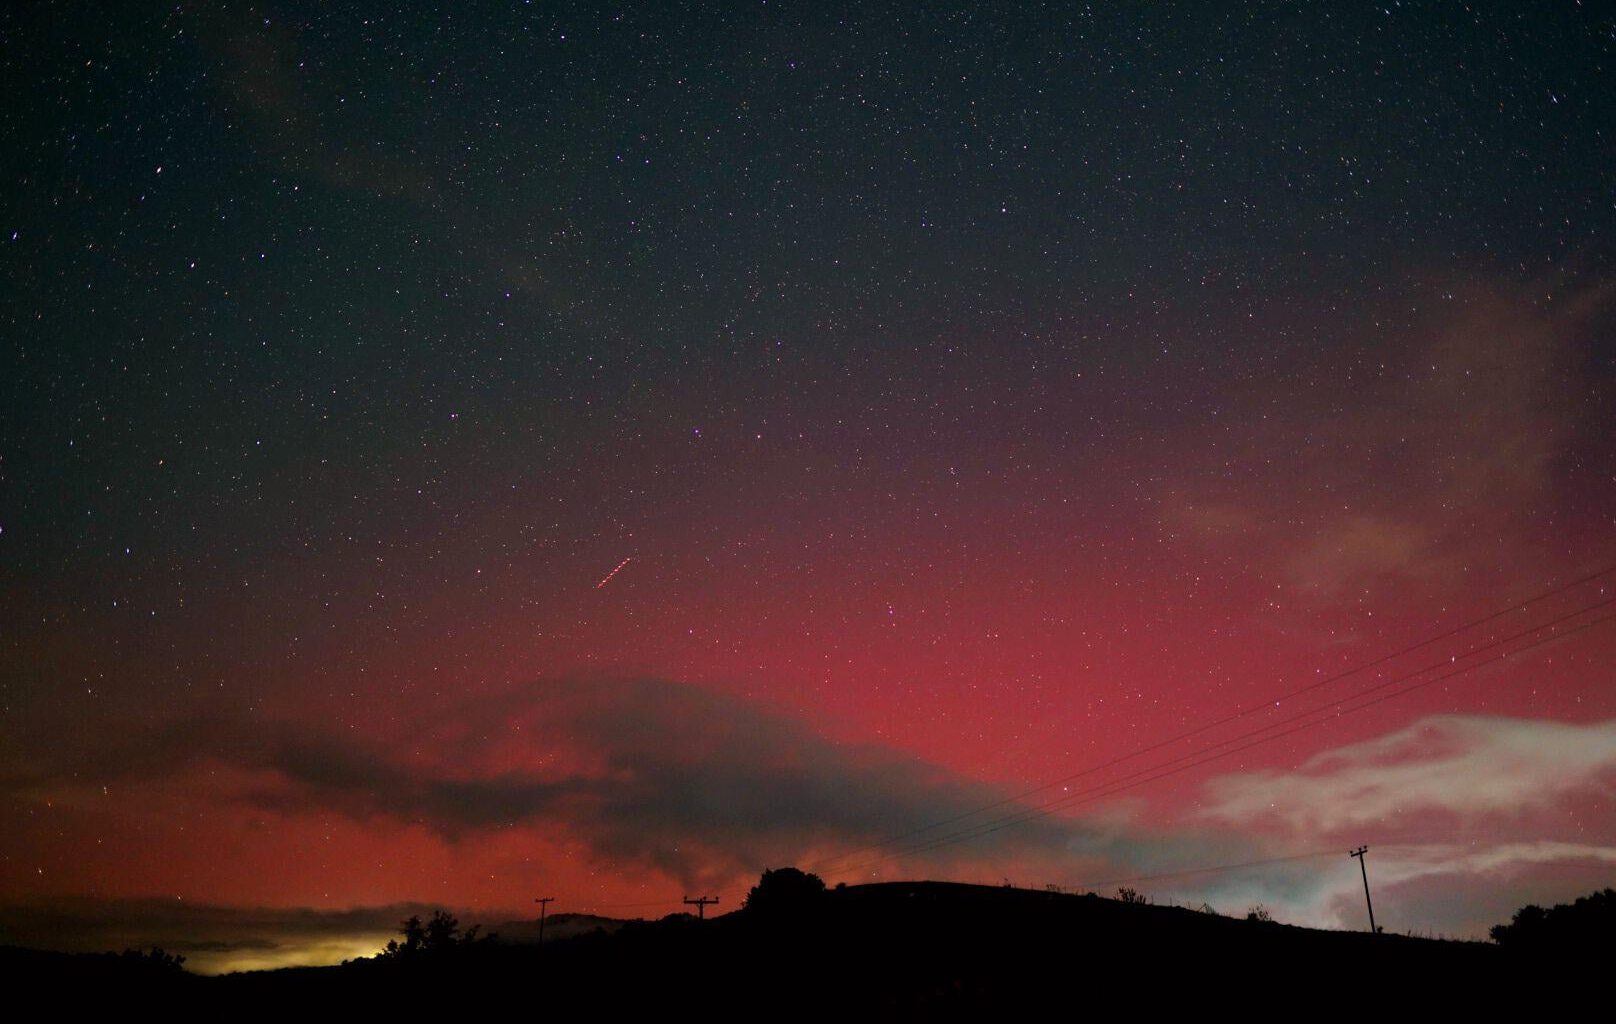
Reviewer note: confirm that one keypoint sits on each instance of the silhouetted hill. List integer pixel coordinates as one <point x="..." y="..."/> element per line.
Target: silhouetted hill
<point x="557" y="927"/>
<point x="128" y="972"/>
<point x="924" y="949"/>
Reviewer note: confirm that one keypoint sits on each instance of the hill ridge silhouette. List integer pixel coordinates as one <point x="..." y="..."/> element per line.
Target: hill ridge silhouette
<point x="902" y="948"/>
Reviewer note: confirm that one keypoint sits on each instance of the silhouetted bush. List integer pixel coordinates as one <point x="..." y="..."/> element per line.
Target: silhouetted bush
<point x="156" y="959"/>
<point x="1260" y="914"/>
<point x="783" y="890"/>
<point x="437" y="936"/>
<point x="1586" y="925"/>
<point x="1127" y="895"/>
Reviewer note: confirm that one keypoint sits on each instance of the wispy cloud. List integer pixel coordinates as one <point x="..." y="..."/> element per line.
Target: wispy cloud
<point x="1401" y="863"/>
<point x="1407" y="461"/>
<point x="1465" y="766"/>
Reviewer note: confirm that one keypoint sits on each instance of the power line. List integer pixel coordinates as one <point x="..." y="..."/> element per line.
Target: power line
<point x="669" y="902"/>
<point x="1346" y="711"/>
<point x="1195" y="759"/>
<point x="1209" y="753"/>
<point x="1214" y="869"/>
<point x="1187" y="872"/>
<point x="1233" y="716"/>
<point x="994" y="825"/>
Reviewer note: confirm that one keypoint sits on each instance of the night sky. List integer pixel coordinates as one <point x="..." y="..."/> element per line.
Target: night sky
<point x="449" y="457"/>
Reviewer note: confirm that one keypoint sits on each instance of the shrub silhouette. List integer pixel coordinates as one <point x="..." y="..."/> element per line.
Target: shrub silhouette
<point x="439" y="935"/>
<point x="442" y="930"/>
<point x="156" y="959"/>
<point x="783" y="890"/>
<point x="1587" y="924"/>
<point x="1128" y="895"/>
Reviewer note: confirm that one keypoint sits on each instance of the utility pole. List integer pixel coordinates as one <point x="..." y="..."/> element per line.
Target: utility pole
<point x="544" y="904"/>
<point x="701" y="903"/>
<point x="1359" y="853"/>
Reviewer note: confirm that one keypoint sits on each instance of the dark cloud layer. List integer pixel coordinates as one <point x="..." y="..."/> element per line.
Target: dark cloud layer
<point x="646" y="772"/>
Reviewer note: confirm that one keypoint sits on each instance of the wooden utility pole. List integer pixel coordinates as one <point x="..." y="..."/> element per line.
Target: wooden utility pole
<point x="701" y="903"/>
<point x="544" y="904"/>
<point x="1359" y="853"/>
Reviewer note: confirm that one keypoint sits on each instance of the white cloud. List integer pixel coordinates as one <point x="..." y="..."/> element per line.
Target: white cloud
<point x="1467" y="766"/>
<point x="1453" y="889"/>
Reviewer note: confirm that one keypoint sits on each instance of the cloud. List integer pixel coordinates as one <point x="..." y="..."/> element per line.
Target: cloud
<point x="1407" y="863"/>
<point x="669" y="781"/>
<point x="1410" y="449"/>
<point x="1455" y="890"/>
<point x="1466" y="766"/>
<point x="1482" y="799"/>
<point x="1452" y="889"/>
<point x="698" y="785"/>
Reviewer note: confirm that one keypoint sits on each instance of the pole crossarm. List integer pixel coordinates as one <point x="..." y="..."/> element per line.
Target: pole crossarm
<point x="701" y="903"/>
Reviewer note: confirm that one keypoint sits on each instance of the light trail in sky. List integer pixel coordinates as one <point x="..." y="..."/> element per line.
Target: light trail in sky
<point x="608" y="577"/>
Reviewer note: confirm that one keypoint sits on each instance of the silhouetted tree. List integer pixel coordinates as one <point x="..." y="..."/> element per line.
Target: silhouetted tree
<point x="783" y="890"/>
<point x="156" y="958"/>
<point x="1587" y="924"/>
<point x="440" y="934"/>
<point x="441" y="931"/>
<point x="414" y="938"/>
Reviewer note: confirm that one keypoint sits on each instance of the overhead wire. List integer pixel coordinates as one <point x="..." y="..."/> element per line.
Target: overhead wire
<point x="1210" y="870"/>
<point x="1195" y="758"/>
<point x="1168" y="768"/>
<point x="1306" y="719"/>
<point x="1236" y="715"/>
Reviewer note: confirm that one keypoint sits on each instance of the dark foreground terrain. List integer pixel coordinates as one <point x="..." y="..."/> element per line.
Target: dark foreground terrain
<point x="878" y="951"/>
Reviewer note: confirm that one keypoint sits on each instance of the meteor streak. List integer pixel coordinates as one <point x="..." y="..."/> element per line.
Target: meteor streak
<point x="608" y="577"/>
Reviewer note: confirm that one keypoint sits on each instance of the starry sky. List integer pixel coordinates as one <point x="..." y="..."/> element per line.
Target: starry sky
<point x="450" y="456"/>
